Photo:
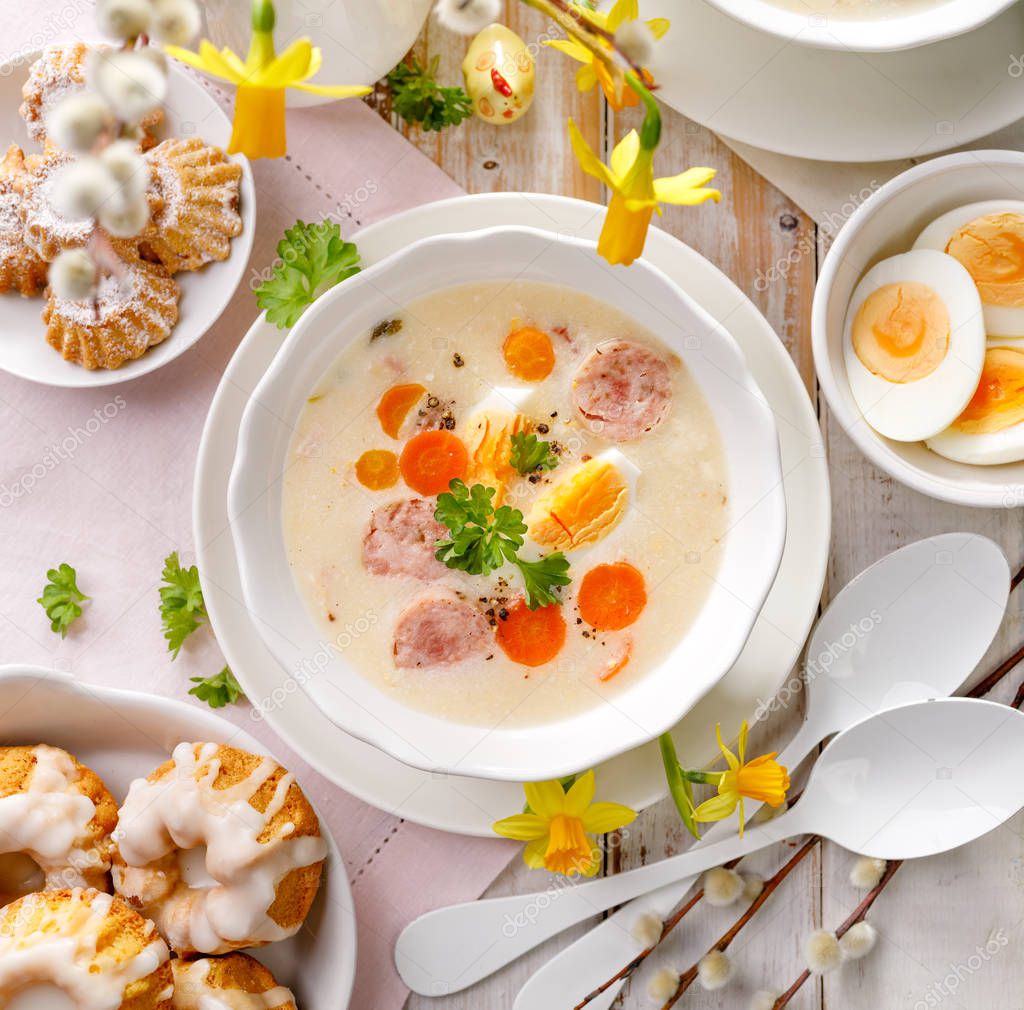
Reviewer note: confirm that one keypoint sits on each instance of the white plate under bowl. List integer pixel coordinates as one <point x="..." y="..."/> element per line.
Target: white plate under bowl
<point x="467" y="805"/>
<point x="748" y="557"/>
<point x="838" y="106"/>
<point x="887" y="223"/>
<point x="122" y="735"/>
<point x="190" y="112"/>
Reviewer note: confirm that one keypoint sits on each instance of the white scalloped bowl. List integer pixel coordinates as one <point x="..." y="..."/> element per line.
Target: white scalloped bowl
<point x="749" y="559"/>
<point x="865" y="34"/>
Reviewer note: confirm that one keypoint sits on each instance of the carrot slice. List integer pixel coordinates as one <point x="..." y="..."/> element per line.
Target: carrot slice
<point x="529" y="354"/>
<point x="532" y="637"/>
<point x="611" y="596"/>
<point x="431" y="460"/>
<point x="395" y="404"/>
<point x="377" y="469"/>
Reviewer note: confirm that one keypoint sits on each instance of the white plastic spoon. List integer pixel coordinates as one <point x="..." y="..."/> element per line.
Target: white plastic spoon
<point x="914" y="781"/>
<point x="925" y="603"/>
<point x="913" y="626"/>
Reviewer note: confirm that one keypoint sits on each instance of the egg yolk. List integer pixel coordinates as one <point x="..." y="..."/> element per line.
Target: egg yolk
<point x="992" y="250"/>
<point x="998" y="402"/>
<point x="580" y="509"/>
<point x="901" y="331"/>
<point x="490" y="449"/>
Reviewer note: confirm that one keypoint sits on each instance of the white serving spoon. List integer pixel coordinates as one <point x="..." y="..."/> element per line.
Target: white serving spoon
<point x="914" y="781"/>
<point x="920" y="620"/>
<point x="912" y="626"/>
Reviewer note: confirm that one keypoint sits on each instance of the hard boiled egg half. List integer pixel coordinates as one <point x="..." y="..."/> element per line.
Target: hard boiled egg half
<point x="987" y="238"/>
<point x="914" y="344"/>
<point x="991" y="428"/>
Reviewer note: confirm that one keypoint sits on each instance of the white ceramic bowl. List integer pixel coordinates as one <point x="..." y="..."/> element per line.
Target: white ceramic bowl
<point x="124" y="734"/>
<point x="750" y="557"/>
<point x="887" y="223"/>
<point x="866" y="34"/>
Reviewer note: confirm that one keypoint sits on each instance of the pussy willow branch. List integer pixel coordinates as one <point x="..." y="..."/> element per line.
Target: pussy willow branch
<point x="689" y="976"/>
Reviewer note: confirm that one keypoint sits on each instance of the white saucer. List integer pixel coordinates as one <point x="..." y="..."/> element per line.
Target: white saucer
<point x="838" y="106"/>
<point x="190" y="110"/>
<point x="469" y="806"/>
<point x="122" y="735"/>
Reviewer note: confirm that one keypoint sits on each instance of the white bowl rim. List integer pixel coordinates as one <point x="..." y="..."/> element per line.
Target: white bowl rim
<point x="909" y="31"/>
<point x="475" y="761"/>
<point x="862" y="435"/>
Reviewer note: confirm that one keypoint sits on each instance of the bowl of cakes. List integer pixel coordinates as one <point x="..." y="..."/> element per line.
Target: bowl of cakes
<point x="153" y="856"/>
<point x="167" y="284"/>
<point x="918" y="328"/>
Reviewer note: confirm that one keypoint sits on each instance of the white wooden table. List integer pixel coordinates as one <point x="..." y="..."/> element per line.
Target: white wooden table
<point x="938" y="912"/>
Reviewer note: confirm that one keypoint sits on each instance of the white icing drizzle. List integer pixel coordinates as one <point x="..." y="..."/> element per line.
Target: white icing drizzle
<point x="183" y="811"/>
<point x="49" y="822"/>
<point x="193" y="991"/>
<point x="62" y="952"/>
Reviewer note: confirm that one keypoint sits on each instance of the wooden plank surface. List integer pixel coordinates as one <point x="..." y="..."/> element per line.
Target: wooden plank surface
<point x="772" y="250"/>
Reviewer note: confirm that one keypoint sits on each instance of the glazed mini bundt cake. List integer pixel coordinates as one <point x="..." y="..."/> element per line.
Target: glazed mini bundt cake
<point x="198" y="189"/>
<point x="88" y="946"/>
<point x="235" y="980"/>
<point x="220" y="848"/>
<point x="130" y="314"/>
<point x="58" y="73"/>
<point x="57" y="815"/>
<point x="21" y="269"/>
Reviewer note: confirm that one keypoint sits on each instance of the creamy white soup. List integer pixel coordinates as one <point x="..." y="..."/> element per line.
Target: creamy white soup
<point x="859" y="9"/>
<point x="588" y="431"/>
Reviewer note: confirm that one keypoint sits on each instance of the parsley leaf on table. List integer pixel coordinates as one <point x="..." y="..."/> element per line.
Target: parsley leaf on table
<point x="182" y="607"/>
<point x="483" y="538"/>
<point x="312" y="258"/>
<point x="61" y="598"/>
<point x="530" y="455"/>
<point x="418" y="98"/>
<point x="219" y="690"/>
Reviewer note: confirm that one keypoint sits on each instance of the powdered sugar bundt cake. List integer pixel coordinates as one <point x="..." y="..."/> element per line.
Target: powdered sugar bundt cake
<point x="84" y="947"/>
<point x="58" y="73"/>
<point x="198" y="188"/>
<point x="21" y="268"/>
<point x="56" y="817"/>
<point x="130" y="314"/>
<point x="236" y="981"/>
<point x="220" y="848"/>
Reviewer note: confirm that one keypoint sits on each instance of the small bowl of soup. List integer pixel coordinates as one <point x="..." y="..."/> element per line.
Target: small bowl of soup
<point x="503" y="510"/>
<point x="864" y="26"/>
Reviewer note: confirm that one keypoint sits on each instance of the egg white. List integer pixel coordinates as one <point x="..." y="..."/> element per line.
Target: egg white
<point x="1000" y="320"/>
<point x="913" y="411"/>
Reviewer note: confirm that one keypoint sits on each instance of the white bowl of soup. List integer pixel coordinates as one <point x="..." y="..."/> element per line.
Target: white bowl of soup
<point x="864" y="25"/>
<point x="503" y="510"/>
<point x="951" y="223"/>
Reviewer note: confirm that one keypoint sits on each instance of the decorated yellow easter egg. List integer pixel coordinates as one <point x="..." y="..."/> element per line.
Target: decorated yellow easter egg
<point x="499" y="72"/>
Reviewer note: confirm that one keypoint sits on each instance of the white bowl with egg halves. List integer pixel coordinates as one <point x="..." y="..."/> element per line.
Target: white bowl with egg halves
<point x="888" y="224"/>
<point x="750" y="555"/>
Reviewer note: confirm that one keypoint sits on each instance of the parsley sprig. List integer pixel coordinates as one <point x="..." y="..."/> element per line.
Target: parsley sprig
<point x="61" y="598"/>
<point x="483" y="538"/>
<point x="219" y="690"/>
<point x="182" y="607"/>
<point x="530" y="455"/>
<point x="418" y="98"/>
<point x="311" y="259"/>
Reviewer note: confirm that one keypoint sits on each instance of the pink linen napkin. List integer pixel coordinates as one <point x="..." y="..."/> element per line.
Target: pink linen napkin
<point x="102" y="479"/>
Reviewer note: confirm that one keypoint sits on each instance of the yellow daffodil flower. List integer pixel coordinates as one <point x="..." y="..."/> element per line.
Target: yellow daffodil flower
<point x="258" y="127"/>
<point x="762" y="779"/>
<point x="593" y="69"/>
<point x="636" y="194"/>
<point x="559" y="826"/>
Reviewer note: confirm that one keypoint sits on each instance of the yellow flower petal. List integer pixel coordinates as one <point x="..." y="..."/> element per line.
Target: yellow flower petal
<point x="624" y="154"/>
<point x="659" y="27"/>
<point x="742" y="743"/>
<point x="521" y="827"/>
<point x="729" y="756"/>
<point x="601" y="818"/>
<point x="586" y="77"/>
<point x="290" y="67"/>
<point x="571" y="48"/>
<point x="208" y="60"/>
<point x="546" y="799"/>
<point x="624" y="10"/>
<point x="717" y="808"/>
<point x="334" y="90"/>
<point x="581" y="795"/>
<point x="533" y="854"/>
<point x="681" y="191"/>
<point x="589" y="162"/>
